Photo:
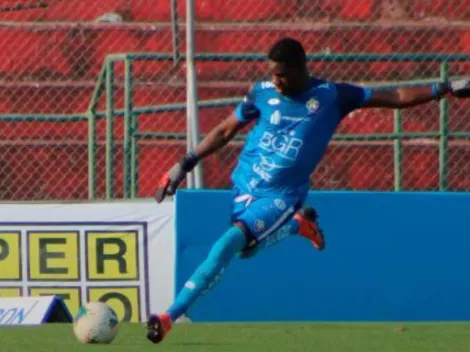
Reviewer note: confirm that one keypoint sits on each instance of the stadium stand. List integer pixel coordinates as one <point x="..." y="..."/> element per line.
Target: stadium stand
<point x="52" y="55"/>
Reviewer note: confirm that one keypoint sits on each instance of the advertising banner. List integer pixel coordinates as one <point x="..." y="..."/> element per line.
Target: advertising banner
<point x="120" y="253"/>
<point x="33" y="310"/>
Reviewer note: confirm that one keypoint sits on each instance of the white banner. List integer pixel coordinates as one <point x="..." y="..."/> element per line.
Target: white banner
<point x="27" y="310"/>
<point x="119" y="252"/>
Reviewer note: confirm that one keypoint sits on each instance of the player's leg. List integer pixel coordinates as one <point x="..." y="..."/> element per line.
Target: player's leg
<point x="304" y="223"/>
<point x="205" y="276"/>
<point x="255" y="220"/>
<point x="270" y="220"/>
<point x="289" y="229"/>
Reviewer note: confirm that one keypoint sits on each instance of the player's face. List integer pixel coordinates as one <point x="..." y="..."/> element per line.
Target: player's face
<point x="286" y="79"/>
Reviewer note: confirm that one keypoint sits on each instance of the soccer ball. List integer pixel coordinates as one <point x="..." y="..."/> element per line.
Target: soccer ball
<point x="95" y="322"/>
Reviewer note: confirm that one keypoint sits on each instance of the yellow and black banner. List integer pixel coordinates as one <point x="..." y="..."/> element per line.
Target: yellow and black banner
<point x="79" y="262"/>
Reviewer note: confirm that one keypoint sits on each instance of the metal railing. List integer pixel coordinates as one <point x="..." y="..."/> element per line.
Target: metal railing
<point x="131" y="113"/>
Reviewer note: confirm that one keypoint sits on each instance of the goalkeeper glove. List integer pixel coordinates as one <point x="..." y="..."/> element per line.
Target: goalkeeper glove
<point x="459" y="88"/>
<point x="171" y="180"/>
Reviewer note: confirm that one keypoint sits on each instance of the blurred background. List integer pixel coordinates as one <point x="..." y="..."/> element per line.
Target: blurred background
<point x="93" y="93"/>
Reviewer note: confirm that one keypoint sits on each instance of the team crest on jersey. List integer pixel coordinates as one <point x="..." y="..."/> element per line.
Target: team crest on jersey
<point x="312" y="105"/>
<point x="259" y="225"/>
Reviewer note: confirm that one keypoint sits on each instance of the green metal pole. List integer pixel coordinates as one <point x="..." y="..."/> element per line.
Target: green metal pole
<point x="100" y="84"/>
<point x="127" y="128"/>
<point x="397" y="150"/>
<point x="134" y="147"/>
<point x="109" y="129"/>
<point x="92" y="179"/>
<point x="91" y="156"/>
<point x="180" y="136"/>
<point x="134" y="159"/>
<point x="444" y="133"/>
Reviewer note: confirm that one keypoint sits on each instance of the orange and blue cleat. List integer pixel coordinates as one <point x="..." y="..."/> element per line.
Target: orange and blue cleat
<point x="158" y="327"/>
<point x="309" y="228"/>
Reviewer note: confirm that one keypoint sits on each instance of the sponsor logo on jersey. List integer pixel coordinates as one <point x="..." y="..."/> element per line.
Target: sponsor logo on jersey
<point x="270" y="164"/>
<point x="267" y="84"/>
<point x="262" y="173"/>
<point x="294" y="118"/>
<point x="275" y="118"/>
<point x="274" y="101"/>
<point x="286" y="146"/>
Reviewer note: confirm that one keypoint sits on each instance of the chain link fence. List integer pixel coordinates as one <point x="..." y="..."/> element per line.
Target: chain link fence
<point x="52" y="53"/>
<point x="394" y="29"/>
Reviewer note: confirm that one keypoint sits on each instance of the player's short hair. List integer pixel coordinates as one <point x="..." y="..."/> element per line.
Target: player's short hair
<point x="288" y="51"/>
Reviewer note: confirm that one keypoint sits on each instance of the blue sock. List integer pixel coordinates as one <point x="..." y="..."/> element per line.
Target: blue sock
<point x="208" y="273"/>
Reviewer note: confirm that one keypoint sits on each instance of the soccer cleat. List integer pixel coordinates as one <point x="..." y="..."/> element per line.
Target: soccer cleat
<point x="309" y="228"/>
<point x="158" y="327"/>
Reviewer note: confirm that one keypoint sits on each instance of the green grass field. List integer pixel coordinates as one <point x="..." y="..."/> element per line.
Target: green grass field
<point x="314" y="337"/>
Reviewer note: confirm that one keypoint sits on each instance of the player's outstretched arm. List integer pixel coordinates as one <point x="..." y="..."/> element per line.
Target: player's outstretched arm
<point x="405" y="97"/>
<point x="217" y="138"/>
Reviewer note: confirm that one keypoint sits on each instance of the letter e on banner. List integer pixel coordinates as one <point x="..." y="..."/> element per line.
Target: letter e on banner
<point x="53" y="256"/>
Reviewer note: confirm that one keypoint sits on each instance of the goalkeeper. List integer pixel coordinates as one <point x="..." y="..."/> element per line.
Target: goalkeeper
<point x="293" y="117"/>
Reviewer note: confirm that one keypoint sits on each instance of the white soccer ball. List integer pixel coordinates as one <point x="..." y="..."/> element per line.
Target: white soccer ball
<point x="95" y="322"/>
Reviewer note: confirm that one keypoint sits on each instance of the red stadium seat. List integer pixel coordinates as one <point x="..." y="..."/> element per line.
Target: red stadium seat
<point x="420" y="165"/>
<point x="155" y="158"/>
<point x="371" y="167"/>
<point x="23" y="171"/>
<point x="142" y="11"/>
<point x="219" y="10"/>
<point x="357" y="10"/>
<point x="78" y="53"/>
<point x="458" y="167"/>
<point x="62" y="11"/>
<point x="450" y="10"/>
<point x="347" y="10"/>
<point x="44" y="98"/>
<point x="256" y="10"/>
<point x="160" y="10"/>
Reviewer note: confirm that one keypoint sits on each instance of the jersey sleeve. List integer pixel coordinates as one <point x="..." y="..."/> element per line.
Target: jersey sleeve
<point x="247" y="110"/>
<point x="352" y="97"/>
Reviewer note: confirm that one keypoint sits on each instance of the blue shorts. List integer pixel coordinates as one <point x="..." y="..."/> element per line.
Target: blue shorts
<point x="262" y="216"/>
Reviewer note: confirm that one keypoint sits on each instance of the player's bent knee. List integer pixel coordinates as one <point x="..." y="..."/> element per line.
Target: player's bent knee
<point x="241" y="225"/>
<point x="248" y="253"/>
<point x="250" y="239"/>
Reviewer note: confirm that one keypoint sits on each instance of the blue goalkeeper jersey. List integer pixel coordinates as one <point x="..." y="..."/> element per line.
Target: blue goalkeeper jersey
<point x="290" y="135"/>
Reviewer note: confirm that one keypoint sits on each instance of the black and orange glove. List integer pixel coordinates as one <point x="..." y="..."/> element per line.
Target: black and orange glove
<point x="171" y="180"/>
<point x="459" y="88"/>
